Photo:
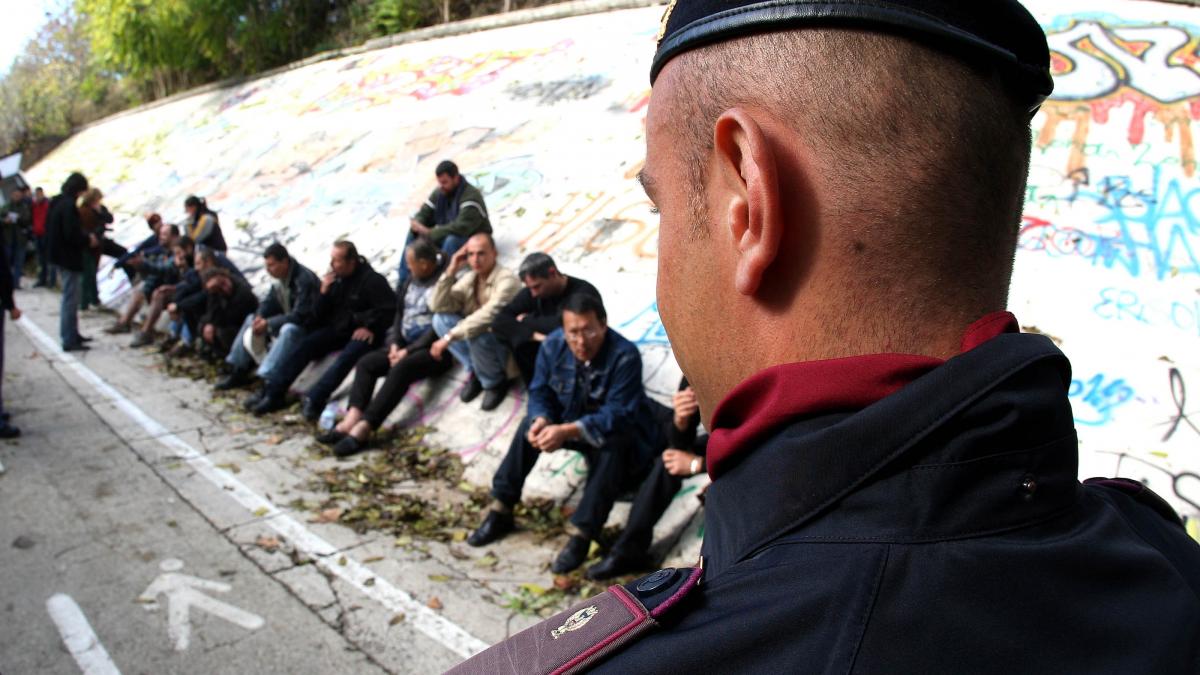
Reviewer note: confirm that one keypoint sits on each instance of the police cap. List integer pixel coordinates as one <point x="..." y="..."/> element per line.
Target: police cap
<point x="1000" y="33"/>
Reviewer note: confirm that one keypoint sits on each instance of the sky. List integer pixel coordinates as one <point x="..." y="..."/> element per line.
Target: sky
<point x="20" y="21"/>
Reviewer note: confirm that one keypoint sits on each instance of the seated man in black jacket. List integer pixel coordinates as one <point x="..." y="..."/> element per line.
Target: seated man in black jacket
<point x="354" y="311"/>
<point x="230" y="300"/>
<point x="684" y="457"/>
<point x="183" y="253"/>
<point x="190" y="301"/>
<point x="284" y="317"/>
<point x="523" y="324"/>
<point x="404" y="360"/>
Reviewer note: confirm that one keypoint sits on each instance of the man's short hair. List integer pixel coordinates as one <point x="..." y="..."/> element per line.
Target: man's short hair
<point x="537" y="266"/>
<point x="423" y="249"/>
<point x="214" y="272"/>
<point x="186" y="243"/>
<point x="585" y="303"/>
<point x="173" y="229"/>
<point x="485" y="235"/>
<point x="446" y="168"/>
<point x="276" y="251"/>
<point x="347" y="248"/>
<point x="206" y="253"/>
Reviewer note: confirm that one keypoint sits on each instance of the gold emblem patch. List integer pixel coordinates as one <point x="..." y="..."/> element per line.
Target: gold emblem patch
<point x="575" y="622"/>
<point x="662" y="26"/>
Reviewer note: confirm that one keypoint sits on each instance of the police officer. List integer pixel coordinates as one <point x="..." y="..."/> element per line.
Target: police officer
<point x="893" y="463"/>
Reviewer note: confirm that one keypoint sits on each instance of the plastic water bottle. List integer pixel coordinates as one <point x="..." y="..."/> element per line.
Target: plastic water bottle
<point x="328" y="417"/>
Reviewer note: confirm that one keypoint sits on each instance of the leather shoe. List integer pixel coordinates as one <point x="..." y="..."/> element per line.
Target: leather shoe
<point x="8" y="431"/>
<point x="331" y="437"/>
<point x="311" y="409"/>
<point x="494" y="527"/>
<point x="615" y="565"/>
<point x="348" y="446"/>
<point x="473" y="389"/>
<point x="85" y="338"/>
<point x="76" y="348"/>
<point x="572" y="555"/>
<point x="269" y="403"/>
<point x="492" y="398"/>
<point x="237" y="378"/>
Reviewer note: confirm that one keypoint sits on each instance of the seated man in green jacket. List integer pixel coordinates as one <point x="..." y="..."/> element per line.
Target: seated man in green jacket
<point x="454" y="212"/>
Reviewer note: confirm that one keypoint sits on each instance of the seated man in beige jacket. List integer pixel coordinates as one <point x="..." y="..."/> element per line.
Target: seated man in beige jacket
<point x="464" y="310"/>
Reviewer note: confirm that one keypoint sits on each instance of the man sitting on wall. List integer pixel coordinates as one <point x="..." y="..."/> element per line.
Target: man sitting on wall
<point x="586" y="395"/>
<point x="465" y="310"/>
<point x="454" y="212"/>
<point x="230" y="301"/>
<point x="536" y="311"/>
<point x="185" y="277"/>
<point x="156" y="267"/>
<point x="354" y="310"/>
<point x="284" y="317"/>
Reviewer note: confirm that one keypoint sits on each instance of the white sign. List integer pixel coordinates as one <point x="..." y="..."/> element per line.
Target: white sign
<point x="184" y="592"/>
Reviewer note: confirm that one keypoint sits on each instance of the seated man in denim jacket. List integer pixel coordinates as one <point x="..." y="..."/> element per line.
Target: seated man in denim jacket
<point x="586" y="395"/>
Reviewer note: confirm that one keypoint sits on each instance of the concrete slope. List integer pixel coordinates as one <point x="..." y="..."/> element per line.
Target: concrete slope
<point x="548" y="118"/>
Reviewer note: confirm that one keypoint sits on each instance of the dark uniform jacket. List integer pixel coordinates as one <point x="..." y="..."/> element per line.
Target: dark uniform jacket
<point x="304" y="287"/>
<point x="941" y="529"/>
<point x="228" y="312"/>
<point x="364" y="299"/>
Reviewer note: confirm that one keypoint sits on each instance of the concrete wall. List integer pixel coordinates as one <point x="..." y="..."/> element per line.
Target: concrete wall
<point x="548" y="119"/>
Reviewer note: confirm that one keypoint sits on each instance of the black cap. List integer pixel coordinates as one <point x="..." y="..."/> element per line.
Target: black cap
<point x="1001" y="33"/>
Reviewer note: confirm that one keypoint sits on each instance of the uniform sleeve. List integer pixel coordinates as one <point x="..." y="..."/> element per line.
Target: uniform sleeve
<point x="481" y="319"/>
<point x="620" y="407"/>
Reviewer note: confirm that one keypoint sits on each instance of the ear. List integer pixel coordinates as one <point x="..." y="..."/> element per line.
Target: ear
<point x="748" y="181"/>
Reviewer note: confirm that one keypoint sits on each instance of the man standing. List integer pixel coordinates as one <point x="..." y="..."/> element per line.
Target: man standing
<point x="41" y="208"/>
<point x="454" y="212"/>
<point x="354" y="310"/>
<point x="586" y="395"/>
<point x="284" y="317"/>
<point x="523" y="324"/>
<point x="894" y="464"/>
<point x="465" y="309"/>
<point x="18" y="224"/>
<point x="68" y="245"/>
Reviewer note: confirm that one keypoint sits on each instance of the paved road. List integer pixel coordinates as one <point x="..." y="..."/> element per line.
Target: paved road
<point x="117" y="485"/>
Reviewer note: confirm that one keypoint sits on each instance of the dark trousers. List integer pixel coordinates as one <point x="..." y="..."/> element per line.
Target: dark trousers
<point x="47" y="272"/>
<point x="316" y="344"/>
<point x="414" y="367"/>
<point x="525" y="354"/>
<point x="652" y="500"/>
<point x="112" y="249"/>
<point x="610" y="470"/>
<point x="337" y="371"/>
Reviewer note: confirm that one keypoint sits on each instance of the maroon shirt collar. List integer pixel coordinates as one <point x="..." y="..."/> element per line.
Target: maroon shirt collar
<point x="772" y="398"/>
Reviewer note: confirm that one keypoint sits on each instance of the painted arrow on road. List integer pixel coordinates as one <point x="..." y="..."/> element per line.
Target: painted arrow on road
<point x="184" y="592"/>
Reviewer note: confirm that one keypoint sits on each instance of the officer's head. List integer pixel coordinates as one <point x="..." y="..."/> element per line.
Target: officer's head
<point x="585" y="325"/>
<point x="831" y="188"/>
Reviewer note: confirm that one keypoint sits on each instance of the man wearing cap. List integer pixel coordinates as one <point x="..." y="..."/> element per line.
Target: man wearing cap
<point x="894" y="464"/>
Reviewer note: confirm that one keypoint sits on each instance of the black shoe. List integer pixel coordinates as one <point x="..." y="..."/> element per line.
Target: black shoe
<point x="234" y="380"/>
<point x="85" y="338"/>
<point x="330" y="437"/>
<point x="616" y="565"/>
<point x="76" y="348"/>
<point x="254" y="399"/>
<point x="492" y="398"/>
<point x="7" y="431"/>
<point x="348" y="446"/>
<point x="473" y="389"/>
<point x="269" y="403"/>
<point x="494" y="527"/>
<point x="311" y="409"/>
<point x="572" y="555"/>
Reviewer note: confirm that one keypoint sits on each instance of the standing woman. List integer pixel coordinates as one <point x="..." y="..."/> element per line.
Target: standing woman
<point x="93" y="216"/>
<point x="202" y="224"/>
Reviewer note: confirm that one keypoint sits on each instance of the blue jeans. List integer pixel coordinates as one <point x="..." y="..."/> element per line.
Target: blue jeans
<point x="68" y="317"/>
<point x="449" y="246"/>
<point x="283" y="348"/>
<point x="483" y="355"/>
<point x="180" y="331"/>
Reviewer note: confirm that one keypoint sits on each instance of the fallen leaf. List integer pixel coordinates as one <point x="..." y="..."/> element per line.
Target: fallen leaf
<point x="230" y="467"/>
<point x="373" y="559"/>
<point x="329" y="515"/>
<point x="342" y="561"/>
<point x="488" y="560"/>
<point x="172" y="523"/>
<point x="255" y="457"/>
<point x="369" y="582"/>
<point x="440" y="578"/>
<point x="268" y="544"/>
<point x="261" y="511"/>
<point x="274" y="440"/>
<point x="396" y="619"/>
<point x="404" y="541"/>
<point x="564" y="583"/>
<point x="534" y="589"/>
<point x="434" y="603"/>
<point x="459" y="535"/>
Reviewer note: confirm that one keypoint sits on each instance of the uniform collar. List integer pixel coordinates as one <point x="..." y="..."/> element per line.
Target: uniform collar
<point x="781" y="395"/>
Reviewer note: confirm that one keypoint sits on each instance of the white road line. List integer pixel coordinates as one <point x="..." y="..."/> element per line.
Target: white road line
<point x="424" y="619"/>
<point x="78" y="636"/>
